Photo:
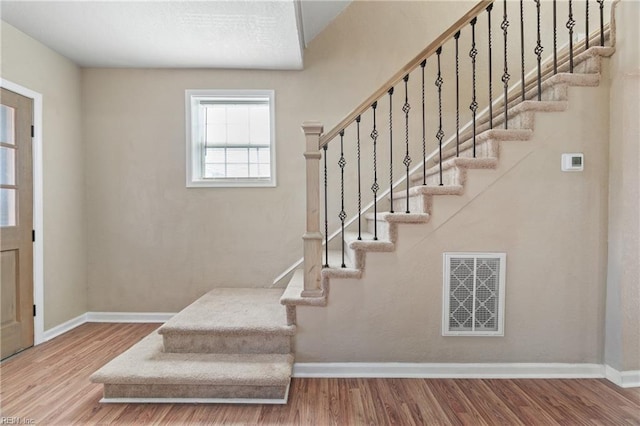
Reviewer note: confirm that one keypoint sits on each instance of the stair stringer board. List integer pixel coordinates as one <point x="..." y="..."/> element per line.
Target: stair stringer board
<point x="552" y="225"/>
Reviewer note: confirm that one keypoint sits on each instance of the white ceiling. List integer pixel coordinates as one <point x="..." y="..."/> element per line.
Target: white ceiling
<point x="256" y="34"/>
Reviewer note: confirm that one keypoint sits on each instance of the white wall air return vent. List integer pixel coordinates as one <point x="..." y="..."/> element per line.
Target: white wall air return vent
<point x="473" y="296"/>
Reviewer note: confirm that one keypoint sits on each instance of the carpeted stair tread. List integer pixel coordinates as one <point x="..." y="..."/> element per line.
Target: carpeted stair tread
<point x="521" y="107"/>
<point x="430" y="190"/>
<point x="397" y="217"/>
<point x="335" y="269"/>
<point x="232" y="311"/>
<point x="489" y="162"/>
<point x="292" y="294"/>
<point x="493" y="134"/>
<point x="367" y="243"/>
<point x="571" y="79"/>
<point x="147" y="363"/>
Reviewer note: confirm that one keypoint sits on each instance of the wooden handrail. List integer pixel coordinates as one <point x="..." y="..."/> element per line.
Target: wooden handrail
<point x="410" y="66"/>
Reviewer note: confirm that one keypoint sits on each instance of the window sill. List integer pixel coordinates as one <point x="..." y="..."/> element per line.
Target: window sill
<point x="231" y="183"/>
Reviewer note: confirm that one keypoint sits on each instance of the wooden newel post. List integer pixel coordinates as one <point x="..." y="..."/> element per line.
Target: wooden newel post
<point x="312" y="237"/>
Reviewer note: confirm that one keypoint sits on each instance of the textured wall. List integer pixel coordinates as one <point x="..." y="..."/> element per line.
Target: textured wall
<point x="30" y="64"/>
<point x="155" y="245"/>
<point x="622" y="350"/>
<point x="551" y="224"/>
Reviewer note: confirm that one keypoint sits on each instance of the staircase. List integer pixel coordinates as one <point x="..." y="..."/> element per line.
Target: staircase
<point x="231" y="345"/>
<point x="489" y="142"/>
<point x="235" y="345"/>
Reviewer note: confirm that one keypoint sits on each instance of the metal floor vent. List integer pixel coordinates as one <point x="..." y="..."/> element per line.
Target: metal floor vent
<point x="473" y="296"/>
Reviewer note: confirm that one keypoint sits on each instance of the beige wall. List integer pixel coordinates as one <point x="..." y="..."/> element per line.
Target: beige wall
<point x="30" y="64"/>
<point x="622" y="349"/>
<point x="155" y="245"/>
<point x="551" y="224"/>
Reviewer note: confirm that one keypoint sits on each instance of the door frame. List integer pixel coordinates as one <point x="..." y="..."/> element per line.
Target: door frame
<point x="38" y="220"/>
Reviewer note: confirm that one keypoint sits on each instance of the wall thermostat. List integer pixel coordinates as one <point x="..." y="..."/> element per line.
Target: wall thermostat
<point x="572" y="162"/>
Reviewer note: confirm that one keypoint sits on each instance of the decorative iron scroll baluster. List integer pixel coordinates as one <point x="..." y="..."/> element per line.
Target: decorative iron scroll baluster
<point x="601" y="3"/>
<point x="505" y="76"/>
<point x="375" y="187"/>
<point x="474" y="103"/>
<point x="538" y="51"/>
<point x="570" y="24"/>
<point x="457" y="38"/>
<point x="440" y="133"/>
<point x="586" y="24"/>
<point x="489" y="8"/>
<point x="521" y="43"/>
<point x="555" y="39"/>
<point x="359" y="187"/>
<point x="326" y="214"/>
<point x="424" y="129"/>
<point x="342" y="215"/>
<point x="390" y="92"/>
<point x="406" y="108"/>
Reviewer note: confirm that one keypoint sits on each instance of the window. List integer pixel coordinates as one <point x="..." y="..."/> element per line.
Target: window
<point x="473" y="296"/>
<point x="230" y="138"/>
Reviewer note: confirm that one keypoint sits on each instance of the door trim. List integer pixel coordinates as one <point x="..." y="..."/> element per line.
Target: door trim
<point x="38" y="220"/>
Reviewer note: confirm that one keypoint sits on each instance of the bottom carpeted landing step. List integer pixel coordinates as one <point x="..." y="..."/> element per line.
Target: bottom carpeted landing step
<point x="145" y="373"/>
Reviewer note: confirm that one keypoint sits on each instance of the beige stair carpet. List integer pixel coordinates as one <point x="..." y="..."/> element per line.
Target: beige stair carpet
<point x="146" y="371"/>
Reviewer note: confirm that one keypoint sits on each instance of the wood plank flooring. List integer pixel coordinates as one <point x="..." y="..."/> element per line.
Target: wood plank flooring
<point x="49" y="385"/>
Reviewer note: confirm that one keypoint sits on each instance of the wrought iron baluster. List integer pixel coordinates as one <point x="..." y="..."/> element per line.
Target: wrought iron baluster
<point x="359" y="186"/>
<point x="407" y="159"/>
<point x="423" y="64"/>
<point x="326" y="213"/>
<point x="440" y="133"/>
<point x="555" y="39"/>
<point x="538" y="51"/>
<point x="474" y="103"/>
<point x="375" y="187"/>
<point x="489" y="9"/>
<point x="570" y="24"/>
<point x="390" y="92"/>
<point x="342" y="215"/>
<point x="586" y="24"/>
<point x="505" y="76"/>
<point x="457" y="38"/>
<point x="601" y="3"/>
<point x="521" y="44"/>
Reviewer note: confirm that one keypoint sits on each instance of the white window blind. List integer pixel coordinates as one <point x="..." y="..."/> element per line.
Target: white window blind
<point x="231" y="138"/>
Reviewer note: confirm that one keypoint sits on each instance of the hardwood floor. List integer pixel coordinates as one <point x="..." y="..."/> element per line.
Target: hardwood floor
<point x="49" y="385"/>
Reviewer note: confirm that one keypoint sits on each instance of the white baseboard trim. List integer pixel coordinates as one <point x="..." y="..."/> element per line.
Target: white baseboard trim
<point x="125" y="317"/>
<point x="129" y="317"/>
<point x="451" y="371"/>
<point x="64" y="327"/>
<point x="624" y="379"/>
<point x="198" y="400"/>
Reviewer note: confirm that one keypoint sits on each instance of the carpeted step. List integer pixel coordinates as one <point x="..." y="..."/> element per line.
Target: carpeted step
<point x="231" y="320"/>
<point x="145" y="373"/>
<point x="420" y="195"/>
<point x="356" y="249"/>
<point x="521" y="115"/>
<point x="454" y="168"/>
<point x="496" y="135"/>
<point x="335" y="269"/>
<point x="387" y="222"/>
<point x="292" y="296"/>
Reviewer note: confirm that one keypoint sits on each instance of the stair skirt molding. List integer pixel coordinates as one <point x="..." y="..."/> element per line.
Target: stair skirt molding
<point x="195" y="400"/>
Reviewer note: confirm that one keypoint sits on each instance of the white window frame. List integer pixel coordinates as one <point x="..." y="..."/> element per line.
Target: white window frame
<point x="194" y="157"/>
<point x="446" y="308"/>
